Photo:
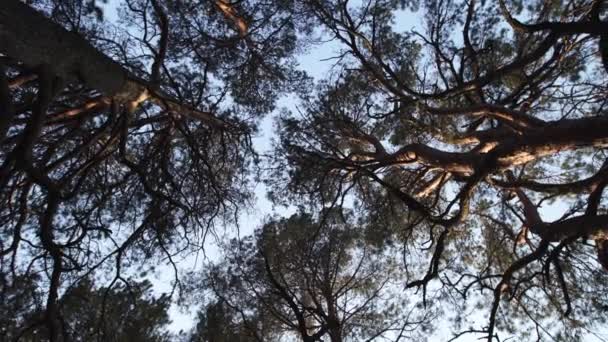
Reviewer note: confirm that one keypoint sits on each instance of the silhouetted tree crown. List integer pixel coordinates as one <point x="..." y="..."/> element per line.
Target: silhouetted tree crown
<point x="129" y="140"/>
<point x="119" y="314"/>
<point x="456" y="140"/>
<point x="463" y="161"/>
<point x="308" y="279"/>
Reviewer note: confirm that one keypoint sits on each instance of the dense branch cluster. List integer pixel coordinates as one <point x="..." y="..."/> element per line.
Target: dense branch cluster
<point x="454" y="135"/>
<point x="312" y="279"/>
<point x="121" y="146"/>
<point x="455" y="166"/>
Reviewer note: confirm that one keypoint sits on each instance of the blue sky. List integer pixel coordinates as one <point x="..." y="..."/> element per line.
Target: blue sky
<point x="315" y="64"/>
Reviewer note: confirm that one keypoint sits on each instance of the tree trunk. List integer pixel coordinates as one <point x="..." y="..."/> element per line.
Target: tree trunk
<point x="34" y="40"/>
<point x="31" y="38"/>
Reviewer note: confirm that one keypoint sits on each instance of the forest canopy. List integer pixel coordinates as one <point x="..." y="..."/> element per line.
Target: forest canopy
<point x="445" y="176"/>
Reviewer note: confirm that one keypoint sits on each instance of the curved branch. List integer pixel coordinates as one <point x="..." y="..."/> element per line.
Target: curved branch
<point x="503" y="285"/>
<point x="6" y="106"/>
<point x="231" y="13"/>
<point x="35" y="40"/>
<point x="586" y="26"/>
<point x="163" y="42"/>
<point x="513" y="118"/>
<point x="587" y="184"/>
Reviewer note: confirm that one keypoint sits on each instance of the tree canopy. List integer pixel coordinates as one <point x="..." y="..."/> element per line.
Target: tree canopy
<point x="312" y="281"/>
<point x="453" y="136"/>
<point x="132" y="141"/>
<point x="120" y="314"/>
<point x="454" y="171"/>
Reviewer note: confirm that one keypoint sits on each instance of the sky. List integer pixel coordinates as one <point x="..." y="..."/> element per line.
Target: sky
<point x="315" y="63"/>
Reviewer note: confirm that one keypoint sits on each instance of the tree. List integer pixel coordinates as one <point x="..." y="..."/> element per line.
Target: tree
<point x="125" y="143"/>
<point x="455" y="137"/>
<point x="311" y="280"/>
<point x="92" y="314"/>
<point x="128" y="141"/>
<point x="17" y="303"/>
<point x="215" y="324"/>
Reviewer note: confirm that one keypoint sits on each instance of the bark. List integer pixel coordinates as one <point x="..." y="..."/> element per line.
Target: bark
<point x="232" y="14"/>
<point x="553" y="138"/>
<point x="53" y="312"/>
<point x="456" y="162"/>
<point x="510" y="117"/>
<point x="603" y="46"/>
<point x="21" y="80"/>
<point x="601" y="246"/>
<point x="31" y="38"/>
<point x="506" y="278"/>
<point x="560" y="136"/>
<point x="594" y="27"/>
<point x="590" y="224"/>
<point x="301" y="320"/>
<point x="583" y="185"/>
<point x="6" y="107"/>
<point x="533" y="220"/>
<point x="34" y="40"/>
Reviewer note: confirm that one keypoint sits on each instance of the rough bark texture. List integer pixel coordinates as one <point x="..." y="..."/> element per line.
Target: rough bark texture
<point x="30" y="37"/>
